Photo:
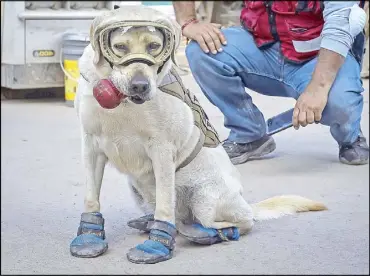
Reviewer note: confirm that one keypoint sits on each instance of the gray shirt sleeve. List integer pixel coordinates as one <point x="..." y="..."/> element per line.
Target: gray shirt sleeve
<point x="336" y="35"/>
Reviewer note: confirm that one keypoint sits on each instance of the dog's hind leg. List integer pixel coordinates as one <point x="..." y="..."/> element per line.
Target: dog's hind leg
<point x="90" y="235"/>
<point x="235" y="212"/>
<point x="219" y="222"/>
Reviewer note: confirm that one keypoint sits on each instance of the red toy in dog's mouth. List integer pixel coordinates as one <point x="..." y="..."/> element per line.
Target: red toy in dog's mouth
<point x="107" y="95"/>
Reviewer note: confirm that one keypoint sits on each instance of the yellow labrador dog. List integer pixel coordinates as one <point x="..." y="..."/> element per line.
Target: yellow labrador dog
<point x="135" y="113"/>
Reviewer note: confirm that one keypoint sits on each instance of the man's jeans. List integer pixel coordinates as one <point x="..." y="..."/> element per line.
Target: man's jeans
<point x="224" y="76"/>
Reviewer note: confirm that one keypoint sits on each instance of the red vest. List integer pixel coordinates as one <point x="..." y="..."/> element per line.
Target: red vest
<point x="290" y="22"/>
<point x="296" y="24"/>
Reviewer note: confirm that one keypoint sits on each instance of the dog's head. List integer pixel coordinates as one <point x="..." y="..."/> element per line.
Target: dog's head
<point x="134" y="47"/>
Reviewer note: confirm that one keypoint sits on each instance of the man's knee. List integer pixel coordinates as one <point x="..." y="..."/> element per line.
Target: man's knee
<point x="201" y="63"/>
<point x="239" y="45"/>
<point x="344" y="104"/>
<point x="193" y="51"/>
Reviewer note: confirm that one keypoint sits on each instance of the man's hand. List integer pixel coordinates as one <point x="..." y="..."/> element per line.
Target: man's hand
<point x="208" y="35"/>
<point x="310" y="105"/>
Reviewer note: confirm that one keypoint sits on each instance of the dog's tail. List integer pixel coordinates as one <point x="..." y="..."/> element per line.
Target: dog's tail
<point x="278" y="206"/>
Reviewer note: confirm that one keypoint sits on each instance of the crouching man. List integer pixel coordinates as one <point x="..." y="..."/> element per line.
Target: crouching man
<point x="308" y="50"/>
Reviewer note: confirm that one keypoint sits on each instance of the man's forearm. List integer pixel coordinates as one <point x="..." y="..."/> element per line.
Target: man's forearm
<point x="327" y="67"/>
<point x="184" y="10"/>
<point x="337" y="39"/>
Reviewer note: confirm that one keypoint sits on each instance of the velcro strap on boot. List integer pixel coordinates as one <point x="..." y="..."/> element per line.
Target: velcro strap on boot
<point x="163" y="232"/>
<point x="228" y="234"/>
<point x="87" y="229"/>
<point x="93" y="218"/>
<point x="222" y="235"/>
<point x="91" y="223"/>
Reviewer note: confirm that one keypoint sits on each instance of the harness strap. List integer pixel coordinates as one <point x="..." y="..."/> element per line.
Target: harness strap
<point x="208" y="137"/>
<point x="201" y="120"/>
<point x="193" y="154"/>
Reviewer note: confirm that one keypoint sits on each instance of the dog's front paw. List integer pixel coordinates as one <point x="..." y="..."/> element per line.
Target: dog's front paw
<point x="89" y="242"/>
<point x="158" y="248"/>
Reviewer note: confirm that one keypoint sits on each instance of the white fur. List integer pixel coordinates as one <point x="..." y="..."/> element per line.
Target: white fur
<point x="147" y="142"/>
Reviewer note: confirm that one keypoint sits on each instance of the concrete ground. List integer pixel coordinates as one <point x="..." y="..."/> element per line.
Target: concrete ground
<point x="42" y="190"/>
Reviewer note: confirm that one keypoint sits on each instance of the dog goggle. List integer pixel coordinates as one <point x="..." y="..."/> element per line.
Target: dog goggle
<point x="112" y="58"/>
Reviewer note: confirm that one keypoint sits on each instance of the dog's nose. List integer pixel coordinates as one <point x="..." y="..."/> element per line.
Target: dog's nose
<point x="139" y="84"/>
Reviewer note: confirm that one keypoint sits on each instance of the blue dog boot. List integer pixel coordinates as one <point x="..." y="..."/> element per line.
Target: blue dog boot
<point x="89" y="242"/>
<point x="141" y="223"/>
<point x="158" y="248"/>
<point x="199" y="234"/>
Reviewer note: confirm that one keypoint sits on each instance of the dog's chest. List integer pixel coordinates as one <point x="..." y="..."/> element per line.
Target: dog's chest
<point x="124" y="133"/>
<point x="126" y="152"/>
<point x="124" y="138"/>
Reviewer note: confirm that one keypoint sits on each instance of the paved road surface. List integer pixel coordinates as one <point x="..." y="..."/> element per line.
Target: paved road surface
<point x="42" y="189"/>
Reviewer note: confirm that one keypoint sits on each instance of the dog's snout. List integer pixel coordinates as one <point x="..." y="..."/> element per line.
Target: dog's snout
<point x="139" y="84"/>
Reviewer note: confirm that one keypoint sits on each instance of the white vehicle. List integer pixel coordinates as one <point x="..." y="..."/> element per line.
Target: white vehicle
<point x="31" y="39"/>
<point x="32" y="31"/>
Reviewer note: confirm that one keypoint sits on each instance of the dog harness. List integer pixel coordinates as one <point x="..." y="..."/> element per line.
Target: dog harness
<point x="172" y="84"/>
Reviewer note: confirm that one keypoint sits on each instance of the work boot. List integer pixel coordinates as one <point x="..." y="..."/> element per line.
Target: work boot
<point x="241" y="153"/>
<point x="356" y="153"/>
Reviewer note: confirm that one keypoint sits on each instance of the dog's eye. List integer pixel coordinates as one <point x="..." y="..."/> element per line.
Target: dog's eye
<point x="121" y="47"/>
<point x="153" y="46"/>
